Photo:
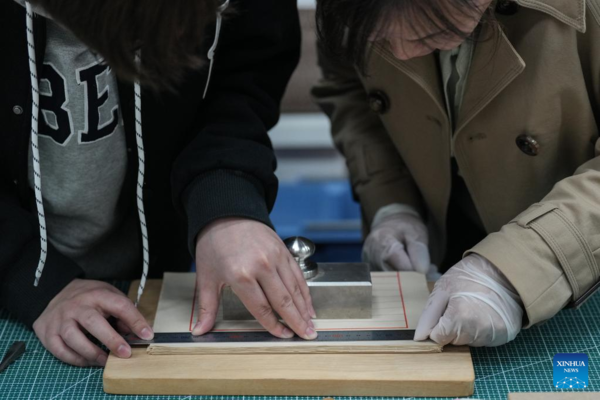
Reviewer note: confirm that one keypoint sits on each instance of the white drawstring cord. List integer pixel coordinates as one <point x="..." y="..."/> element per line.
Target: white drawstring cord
<point x="37" y="171"/>
<point x="141" y="156"/>
<point x="140" y="186"/>
<point x="213" y="48"/>
<point x="139" y="141"/>
<point x="37" y="177"/>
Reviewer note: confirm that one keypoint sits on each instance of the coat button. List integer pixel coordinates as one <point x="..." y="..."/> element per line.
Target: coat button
<point x="379" y="102"/>
<point x="528" y="145"/>
<point x="18" y="110"/>
<point x="507" y="7"/>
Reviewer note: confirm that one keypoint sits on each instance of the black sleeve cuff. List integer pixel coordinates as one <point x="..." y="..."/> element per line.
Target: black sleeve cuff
<point x="19" y="295"/>
<point x="223" y="194"/>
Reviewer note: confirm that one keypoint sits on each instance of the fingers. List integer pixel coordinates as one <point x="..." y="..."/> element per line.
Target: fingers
<point x="445" y="331"/>
<point x="436" y="305"/>
<point x="252" y="296"/>
<point x="432" y="274"/>
<point x="464" y="324"/>
<point x="471" y="320"/>
<point x="75" y="339"/>
<point x="419" y="256"/>
<point x="121" y="307"/>
<point x="304" y="289"/>
<point x="409" y="255"/>
<point x="303" y="286"/>
<point x="293" y="283"/>
<point x="208" y="307"/>
<point x="81" y="308"/>
<point x="93" y="322"/>
<point x="395" y="257"/>
<point x="282" y="301"/>
<point x="122" y="328"/>
<point x="59" y="348"/>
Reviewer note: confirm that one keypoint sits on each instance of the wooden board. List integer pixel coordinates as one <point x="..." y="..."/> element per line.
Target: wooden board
<point x="429" y="375"/>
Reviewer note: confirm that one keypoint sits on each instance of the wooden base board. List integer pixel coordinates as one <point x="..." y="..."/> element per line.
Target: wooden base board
<point x="428" y="375"/>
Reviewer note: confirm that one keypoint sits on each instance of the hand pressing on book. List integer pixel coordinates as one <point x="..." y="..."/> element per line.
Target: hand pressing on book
<point x="249" y="256"/>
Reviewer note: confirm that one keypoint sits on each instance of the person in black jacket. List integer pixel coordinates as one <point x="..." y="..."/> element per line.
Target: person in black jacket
<point x="115" y="178"/>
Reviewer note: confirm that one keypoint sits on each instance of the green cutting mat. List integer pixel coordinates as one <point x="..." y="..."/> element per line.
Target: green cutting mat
<point x="524" y="365"/>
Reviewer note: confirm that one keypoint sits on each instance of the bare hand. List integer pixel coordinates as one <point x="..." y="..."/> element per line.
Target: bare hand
<point x="249" y="256"/>
<point x="84" y="306"/>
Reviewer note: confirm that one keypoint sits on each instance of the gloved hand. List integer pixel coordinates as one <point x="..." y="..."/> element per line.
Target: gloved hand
<point x="398" y="242"/>
<point x="472" y="304"/>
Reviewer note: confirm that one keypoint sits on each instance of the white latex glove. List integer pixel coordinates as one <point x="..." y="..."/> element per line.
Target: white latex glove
<point x="472" y="304"/>
<point x="398" y="242"/>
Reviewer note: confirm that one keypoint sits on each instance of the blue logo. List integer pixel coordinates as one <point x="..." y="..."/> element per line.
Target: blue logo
<point x="570" y="370"/>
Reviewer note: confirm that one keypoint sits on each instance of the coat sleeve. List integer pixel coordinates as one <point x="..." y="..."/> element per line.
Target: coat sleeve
<point x="378" y="174"/>
<point x="551" y="251"/>
<point x="19" y="255"/>
<point x="227" y="169"/>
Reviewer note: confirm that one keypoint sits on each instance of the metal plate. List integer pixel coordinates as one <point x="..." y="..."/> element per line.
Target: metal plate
<point x="338" y="291"/>
<point x="242" y="337"/>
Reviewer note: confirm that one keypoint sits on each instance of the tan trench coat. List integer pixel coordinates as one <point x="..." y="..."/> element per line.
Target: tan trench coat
<point x="526" y="142"/>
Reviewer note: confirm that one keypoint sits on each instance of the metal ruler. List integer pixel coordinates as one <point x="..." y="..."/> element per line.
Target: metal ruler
<point x="245" y="337"/>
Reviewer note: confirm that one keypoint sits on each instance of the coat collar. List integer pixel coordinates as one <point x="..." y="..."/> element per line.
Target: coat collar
<point x="422" y="70"/>
<point x="486" y="79"/>
<point x="570" y="12"/>
<point x="494" y="66"/>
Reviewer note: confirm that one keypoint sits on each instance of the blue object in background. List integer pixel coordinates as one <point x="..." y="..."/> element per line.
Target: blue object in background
<point x="324" y="212"/>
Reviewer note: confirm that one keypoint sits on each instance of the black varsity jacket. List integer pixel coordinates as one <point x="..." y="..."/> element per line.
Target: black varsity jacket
<point x="205" y="159"/>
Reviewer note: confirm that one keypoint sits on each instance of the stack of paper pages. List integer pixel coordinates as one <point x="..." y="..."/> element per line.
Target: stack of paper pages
<point x="398" y="301"/>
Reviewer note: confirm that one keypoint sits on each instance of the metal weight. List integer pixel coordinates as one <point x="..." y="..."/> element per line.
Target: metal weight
<point x="301" y="249"/>
<point x="337" y="290"/>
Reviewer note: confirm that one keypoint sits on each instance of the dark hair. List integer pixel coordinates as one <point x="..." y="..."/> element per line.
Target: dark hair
<point x="168" y="33"/>
<point x="345" y="26"/>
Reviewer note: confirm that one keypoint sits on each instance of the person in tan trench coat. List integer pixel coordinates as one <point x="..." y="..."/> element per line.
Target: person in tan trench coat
<point x="474" y="134"/>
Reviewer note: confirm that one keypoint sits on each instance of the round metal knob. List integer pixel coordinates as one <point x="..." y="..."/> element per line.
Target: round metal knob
<point x="301" y="249"/>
